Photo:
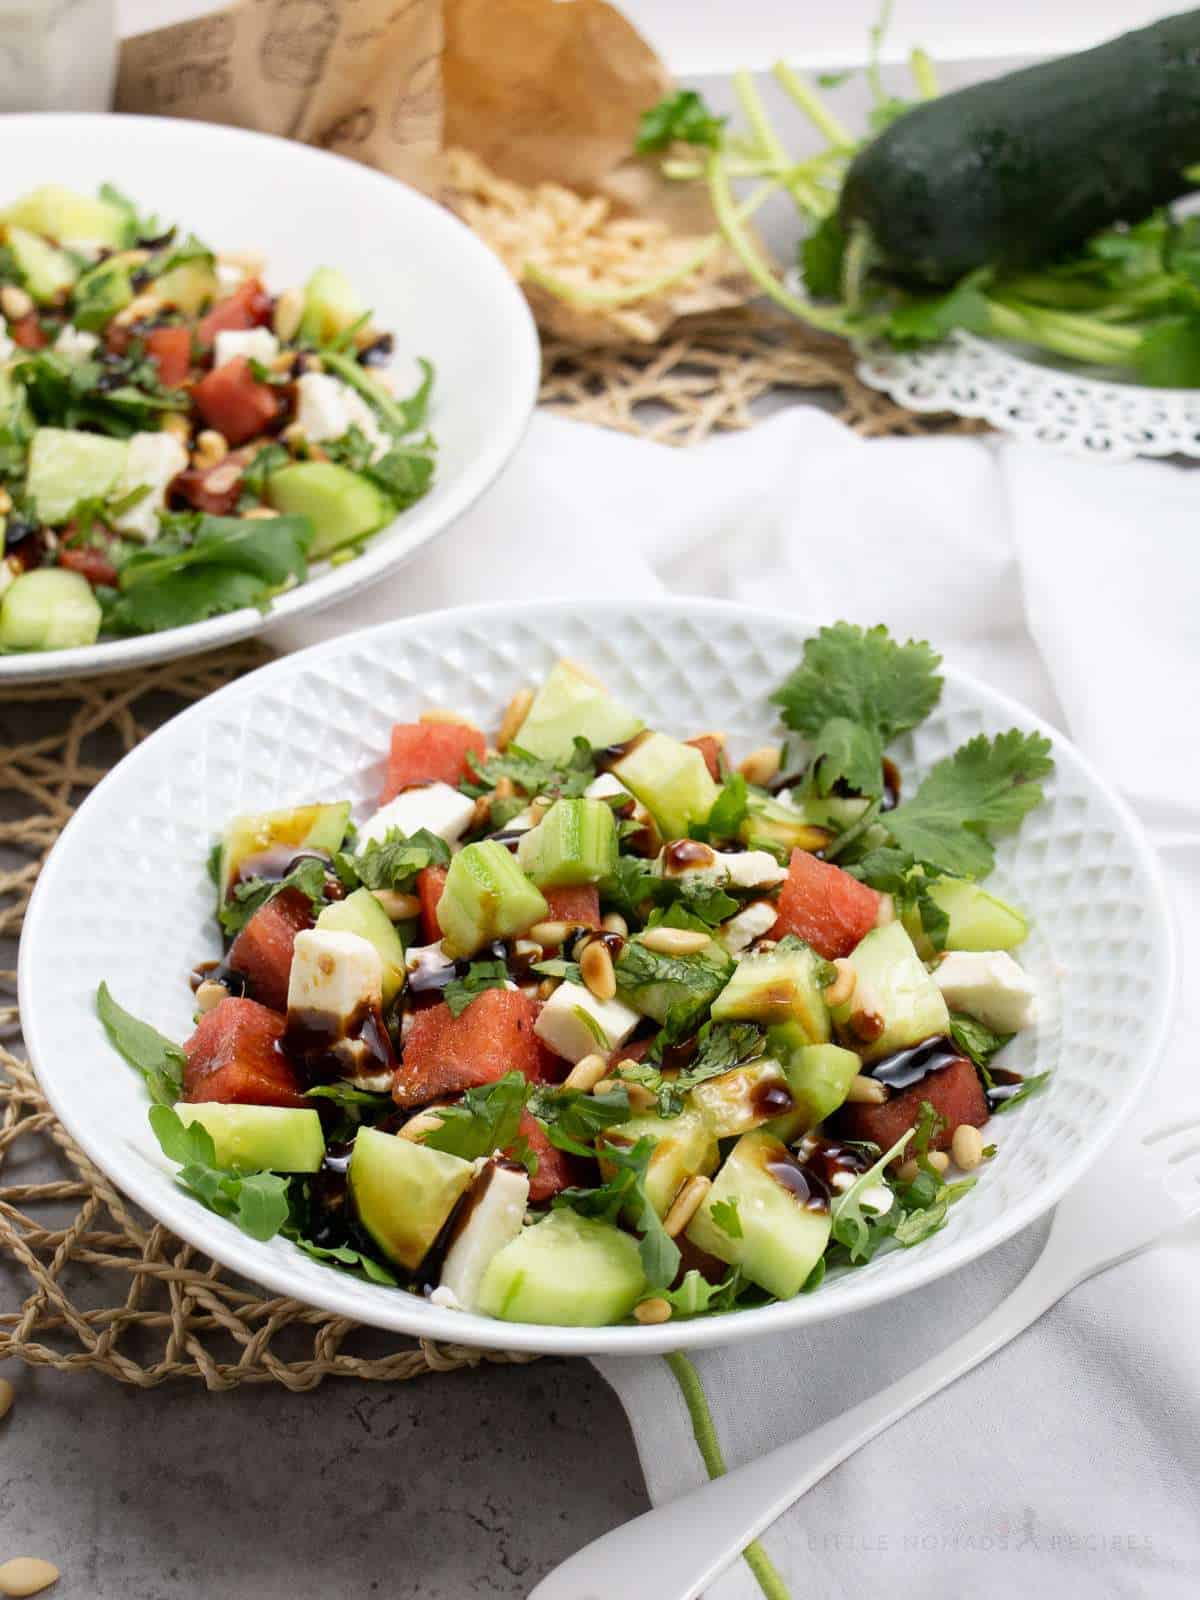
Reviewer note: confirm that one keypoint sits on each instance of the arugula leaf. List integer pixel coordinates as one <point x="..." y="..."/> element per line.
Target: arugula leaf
<point x="974" y="1040"/>
<point x="986" y="783"/>
<point x="725" y="1214"/>
<point x="626" y="1192"/>
<point x="485" y="1120"/>
<point x="572" y="1119"/>
<point x="694" y="1296"/>
<point x="853" y="692"/>
<point x="682" y="117"/>
<point x="256" y="1201"/>
<point x="160" y="1061"/>
<point x="531" y="774"/>
<point x="480" y="975"/>
<point x="1022" y="1092"/>
<point x="394" y="861"/>
<point x="117" y="395"/>
<point x="861" y="1231"/>
<point x="343" y="1255"/>
<point x="252" y="894"/>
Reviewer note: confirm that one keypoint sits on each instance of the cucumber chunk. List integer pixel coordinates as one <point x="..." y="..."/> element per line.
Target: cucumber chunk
<point x="572" y="705"/>
<point x="331" y="305"/>
<point x="260" y="1138"/>
<point x="683" y="1146"/>
<point x="49" y="609"/>
<point x="818" y="1075"/>
<point x="342" y="505"/>
<point x="895" y="1001"/>
<point x="100" y="293"/>
<point x="67" y="466"/>
<point x="780" y="985"/>
<point x="568" y="1270"/>
<point x="45" y="271"/>
<point x="188" y="287"/>
<point x="683" y="986"/>
<point x="314" y="827"/>
<point x="747" y="1097"/>
<point x="575" y="843"/>
<point x="486" y="896"/>
<point x="785" y="1225"/>
<point x="403" y="1192"/>
<point x="670" y="779"/>
<point x="362" y="914"/>
<point x="67" y="217"/>
<point x="978" y="920"/>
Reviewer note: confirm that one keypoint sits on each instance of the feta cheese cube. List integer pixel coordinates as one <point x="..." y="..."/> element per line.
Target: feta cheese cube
<point x="256" y="344"/>
<point x="605" y="787"/>
<point x="740" y="869"/>
<point x="435" y="806"/>
<point x="987" y="985"/>
<point x="751" y="869"/>
<point x="327" y="408"/>
<point x="337" y="974"/>
<point x="153" y="460"/>
<point x="753" y="922"/>
<point x="75" y="343"/>
<point x="494" y="1216"/>
<point x="575" y="1024"/>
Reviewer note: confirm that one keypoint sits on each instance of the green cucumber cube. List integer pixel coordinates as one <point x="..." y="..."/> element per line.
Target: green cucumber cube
<point x="260" y="1138"/>
<point x="486" y="897"/>
<point x="69" y="218"/>
<point x="45" y="271"/>
<point x="978" y="920"/>
<point x="49" y="609"/>
<point x="67" y="466"/>
<point x="362" y="913"/>
<point x="189" y="287"/>
<point x="895" y="1002"/>
<point x="572" y="705"/>
<point x="575" y="843"/>
<point x="567" y="1270"/>
<point x="403" y="1192"/>
<point x="684" y="1146"/>
<point x="342" y="506"/>
<point x="747" y="1097"/>
<point x="775" y="822"/>
<point x="780" y="985"/>
<point x="818" y="1075"/>
<point x="670" y="779"/>
<point x="331" y="305"/>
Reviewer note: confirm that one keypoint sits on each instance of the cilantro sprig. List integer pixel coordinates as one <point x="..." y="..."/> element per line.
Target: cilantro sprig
<point x="682" y="117"/>
<point x="256" y="1201"/>
<point x="392" y="862"/>
<point x="307" y="877"/>
<point x="480" y="976"/>
<point x="531" y="774"/>
<point x="485" y="1120"/>
<point x="625" y="1194"/>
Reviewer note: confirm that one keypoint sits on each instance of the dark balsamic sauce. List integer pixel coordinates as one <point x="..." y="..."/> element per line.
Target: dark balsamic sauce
<point x="607" y="758"/>
<point x="826" y="1159"/>
<point x="907" y="1067"/>
<point x="1005" y="1083"/>
<point x="771" y="1097"/>
<point x="805" y="1187"/>
<point x="323" y="1047"/>
<point x="218" y="972"/>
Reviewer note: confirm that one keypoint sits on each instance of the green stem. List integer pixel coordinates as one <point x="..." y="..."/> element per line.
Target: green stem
<point x="814" y="108"/>
<point x="374" y="393"/>
<point x="854" y="831"/>
<point x="1078" y="338"/>
<point x="751" y="103"/>
<point x="692" y="1390"/>
<point x="874" y="77"/>
<point x="924" y="74"/>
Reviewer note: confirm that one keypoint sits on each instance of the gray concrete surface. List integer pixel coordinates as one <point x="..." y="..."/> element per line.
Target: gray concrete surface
<point x="473" y="1483"/>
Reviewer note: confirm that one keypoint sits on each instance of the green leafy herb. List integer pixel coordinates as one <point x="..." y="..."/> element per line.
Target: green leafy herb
<point x="633" y="883"/>
<point x="182" y="253"/>
<point x="721" y="1046"/>
<point x="394" y="861"/>
<point x="254" y="479"/>
<point x="557" y="967"/>
<point x="725" y="1215"/>
<point x="249" y="896"/>
<point x="160" y="1061"/>
<point x="485" y="1120"/>
<point x="344" y="1256"/>
<point x="821" y="257"/>
<point x="480" y="975"/>
<point x="681" y="118"/>
<point x="354" y="1107"/>
<point x="928" y="318"/>
<point x="531" y="774"/>
<point x="1024" y="1091"/>
<point x="398" y="416"/>
<point x="976" y="1041"/>
<point x="404" y="473"/>
<point x="138" y="225"/>
<point x="688" y="985"/>
<point x="626" y="1193"/>
<point x="857" y="1226"/>
<point x="729" y="811"/>
<point x="572" y="1119"/>
<point x="908" y="881"/>
<point x="694" y="1296"/>
<point x="120" y="396"/>
<point x="256" y="1201"/>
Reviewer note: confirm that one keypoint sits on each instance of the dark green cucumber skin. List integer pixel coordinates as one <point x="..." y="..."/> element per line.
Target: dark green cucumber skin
<point x="1021" y="169"/>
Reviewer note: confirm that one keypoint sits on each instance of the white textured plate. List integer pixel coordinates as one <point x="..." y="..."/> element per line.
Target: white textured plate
<point x="428" y="279"/>
<point x="124" y="897"/>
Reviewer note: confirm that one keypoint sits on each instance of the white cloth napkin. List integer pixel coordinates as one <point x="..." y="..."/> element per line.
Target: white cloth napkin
<point x="1069" y="1464"/>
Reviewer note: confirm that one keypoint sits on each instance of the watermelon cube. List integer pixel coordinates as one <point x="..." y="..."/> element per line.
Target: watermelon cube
<point x="430" y="752"/>
<point x="234" y="1056"/>
<point x="443" y="1054"/>
<point x="262" y="952"/>
<point x="430" y="883"/>
<point x="824" y="906"/>
<point x="579" y="906"/>
<point x="711" y="751"/>
<point x="954" y="1091"/>
<point x="555" y="1168"/>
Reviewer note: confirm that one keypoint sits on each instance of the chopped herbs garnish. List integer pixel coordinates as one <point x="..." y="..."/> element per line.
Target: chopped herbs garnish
<point x="531" y="775"/>
<point x="308" y="877"/>
<point x="557" y="967"/>
<point x="1023" y="1091"/>
<point x="976" y="1041"/>
<point x="625" y="1193"/>
<point x="681" y="118"/>
<point x="572" y="1119"/>
<point x="160" y="1061"/>
<point x="725" y="1215"/>
<point x="394" y="861"/>
<point x="480" y="975"/>
<point x="484" y="1121"/>
<point x="256" y="1201"/>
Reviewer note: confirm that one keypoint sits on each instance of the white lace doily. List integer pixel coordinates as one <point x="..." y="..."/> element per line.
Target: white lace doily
<point x="1083" y="416"/>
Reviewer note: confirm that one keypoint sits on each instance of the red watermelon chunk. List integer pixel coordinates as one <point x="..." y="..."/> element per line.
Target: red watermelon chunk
<point x="430" y="752"/>
<point x="443" y="1054"/>
<point x="234" y="1056"/>
<point x="711" y="751"/>
<point x="580" y="907"/>
<point x="430" y="883"/>
<point x="824" y="906"/>
<point x="954" y="1091"/>
<point x="555" y="1169"/>
<point x="262" y="952"/>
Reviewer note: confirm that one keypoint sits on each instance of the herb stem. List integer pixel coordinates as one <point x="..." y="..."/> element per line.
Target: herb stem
<point x="813" y="107"/>
<point x="855" y="831"/>
<point x="924" y="74"/>
<point x="691" y="1388"/>
<point x="352" y="373"/>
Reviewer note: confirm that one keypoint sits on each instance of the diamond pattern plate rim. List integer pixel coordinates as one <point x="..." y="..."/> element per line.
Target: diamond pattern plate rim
<point x="1080" y="864"/>
<point x="474" y="319"/>
<point x="1082" y="416"/>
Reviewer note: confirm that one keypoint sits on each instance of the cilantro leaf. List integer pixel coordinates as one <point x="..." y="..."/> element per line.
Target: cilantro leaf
<point x="572" y="1119"/>
<point x="895" y="872"/>
<point x="626" y="1193"/>
<point x="254" y="479"/>
<point x="256" y="1201"/>
<point x="856" y="1226"/>
<point x="404" y="472"/>
<point x="675" y="990"/>
<point x="721" y="1046"/>
<point x="925" y="319"/>
<point x="308" y="876"/>
<point x="853" y="692"/>
<point x="725" y="1214"/>
<point x="485" y="1120"/>
<point x="728" y="812"/>
<point x="160" y="1061"/>
<point x="682" y="117"/>
<point x="117" y="395"/>
<point x="557" y="967"/>
<point x="986" y="783"/>
<point x="394" y="861"/>
<point x="344" y="1256"/>
<point x="974" y="1040"/>
<point x="821" y="255"/>
<point x="633" y="883"/>
<point x="531" y="775"/>
<point x="480" y="975"/>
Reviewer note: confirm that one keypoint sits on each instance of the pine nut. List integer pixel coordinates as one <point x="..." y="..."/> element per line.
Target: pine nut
<point x="177" y="425"/>
<point x="675" y="941"/>
<point x="211" y="449"/>
<point x="399" y="907"/>
<point x="537" y="811"/>
<point x="761" y="765"/>
<point x="550" y="935"/>
<point x="907" y="1171"/>
<point x="864" y="1091"/>
<point x="586" y="1074"/>
<point x="640" y="1098"/>
<point x="938" y="1160"/>
<point x="842" y="987"/>
<point x="504" y="790"/>
<point x="596" y="969"/>
<point x="443" y="714"/>
<point x="653" y="1311"/>
<point x="259" y="514"/>
<point x="417" y="1127"/>
<point x="223" y="477"/>
<point x="685" y="1204"/>
<point x="866" y="1026"/>
<point x="966" y="1147"/>
<point x="482" y="813"/>
<point x="30" y="1575"/>
<point x="282" y="363"/>
<point x="209" y="995"/>
<point x="717" y="738"/>
<point x="7" y="1395"/>
<point x="289" y="308"/>
<point x="547" y="987"/>
<point x="14" y="302"/>
<point x="886" y="912"/>
<point x="514" y="716"/>
<point x="614" y="922"/>
<point x="142" y="305"/>
<point x="294" y="436"/>
<point x="5" y="502"/>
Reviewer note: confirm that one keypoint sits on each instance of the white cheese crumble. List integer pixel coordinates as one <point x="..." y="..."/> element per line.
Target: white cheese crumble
<point x="987" y="985"/>
<point x="153" y="460"/>
<point x="256" y="344"/>
<point x="435" y="806"/>
<point x="327" y="408"/>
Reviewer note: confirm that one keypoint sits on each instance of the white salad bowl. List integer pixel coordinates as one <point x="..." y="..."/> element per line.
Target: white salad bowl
<point x="427" y="278"/>
<point x="124" y="897"/>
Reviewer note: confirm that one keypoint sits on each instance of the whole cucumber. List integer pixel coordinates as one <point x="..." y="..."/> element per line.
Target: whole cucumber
<point x="1018" y="170"/>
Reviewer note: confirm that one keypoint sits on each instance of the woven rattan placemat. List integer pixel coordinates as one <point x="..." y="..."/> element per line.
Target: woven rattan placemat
<point x="95" y="1285"/>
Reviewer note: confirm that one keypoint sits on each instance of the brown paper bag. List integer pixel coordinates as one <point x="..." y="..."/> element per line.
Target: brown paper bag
<point x="360" y="77"/>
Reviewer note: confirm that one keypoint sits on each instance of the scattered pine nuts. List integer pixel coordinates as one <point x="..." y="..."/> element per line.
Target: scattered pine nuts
<point x="907" y="1171"/>
<point x="640" y="1098"/>
<point x="966" y="1147"/>
<point x="938" y="1160"/>
<point x="596" y="970"/>
<point x="649" y="1312"/>
<point x="504" y="790"/>
<point x="399" y="907"/>
<point x="14" y="302"/>
<point x="7" y="1395"/>
<point x="842" y="987"/>
<point x="289" y="308"/>
<point x="482" y="814"/>
<point x="864" y="1091"/>
<point x="142" y="305"/>
<point x="514" y="716"/>
<point x="685" y="1204"/>
<point x="675" y="941"/>
<point x="586" y="1073"/>
<point x="866" y="1026"/>
<point x="209" y="995"/>
<point x="26" y="1575"/>
<point x="614" y="922"/>
<point x="443" y="714"/>
<point x="211" y="448"/>
<point x="761" y="765"/>
<point x="294" y="436"/>
<point x="886" y="912"/>
<point x="417" y="1127"/>
<point x="550" y="935"/>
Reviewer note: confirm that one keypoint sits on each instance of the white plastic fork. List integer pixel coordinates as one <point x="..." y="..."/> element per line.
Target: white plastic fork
<point x="1140" y="1190"/>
